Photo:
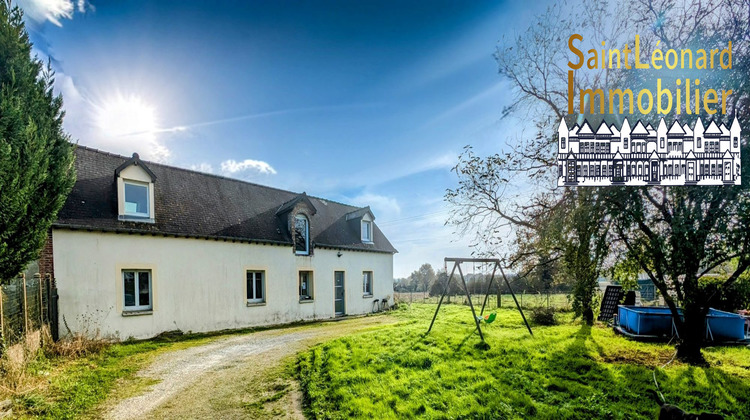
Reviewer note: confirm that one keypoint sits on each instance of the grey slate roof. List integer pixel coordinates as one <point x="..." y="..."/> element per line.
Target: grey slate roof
<point x="194" y="204"/>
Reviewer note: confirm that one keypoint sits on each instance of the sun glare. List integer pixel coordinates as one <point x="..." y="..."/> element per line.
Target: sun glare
<point x="126" y="116"/>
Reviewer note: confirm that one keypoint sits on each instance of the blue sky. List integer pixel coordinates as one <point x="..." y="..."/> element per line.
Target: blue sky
<point x="367" y="103"/>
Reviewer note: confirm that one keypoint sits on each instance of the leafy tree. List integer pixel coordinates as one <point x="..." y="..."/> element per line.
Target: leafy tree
<point x="426" y="277"/>
<point x="680" y="235"/>
<point x="676" y="235"/>
<point x="36" y="156"/>
<point x="488" y="202"/>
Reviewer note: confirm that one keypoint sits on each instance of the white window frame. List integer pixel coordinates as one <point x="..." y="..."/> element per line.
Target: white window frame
<point x="310" y="296"/>
<point x="138" y="307"/>
<point x="365" y="275"/>
<point x="252" y="284"/>
<point x="306" y="251"/>
<point x="367" y="223"/>
<point x="146" y="215"/>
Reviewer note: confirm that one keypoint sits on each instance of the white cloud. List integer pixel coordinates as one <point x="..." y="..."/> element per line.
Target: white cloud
<point x="84" y="6"/>
<point x="385" y="208"/>
<point x="51" y="10"/>
<point x="232" y="167"/>
<point x="203" y="167"/>
<point x="71" y="95"/>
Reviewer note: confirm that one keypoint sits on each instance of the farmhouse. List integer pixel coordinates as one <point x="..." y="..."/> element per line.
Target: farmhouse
<point x="140" y="248"/>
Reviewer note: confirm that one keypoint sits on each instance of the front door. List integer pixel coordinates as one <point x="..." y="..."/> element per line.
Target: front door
<point x="727" y="171"/>
<point x="691" y="171"/>
<point x="338" y="278"/>
<point x="654" y="171"/>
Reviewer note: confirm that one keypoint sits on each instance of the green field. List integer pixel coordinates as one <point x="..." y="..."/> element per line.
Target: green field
<point x="564" y="371"/>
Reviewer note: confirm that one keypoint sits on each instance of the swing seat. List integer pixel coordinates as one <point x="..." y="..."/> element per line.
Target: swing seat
<point x="487" y="318"/>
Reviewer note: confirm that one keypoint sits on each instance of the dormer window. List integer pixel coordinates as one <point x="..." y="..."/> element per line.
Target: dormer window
<point x="135" y="191"/>
<point x="366" y="231"/>
<point x="136" y="199"/>
<point x="301" y="235"/>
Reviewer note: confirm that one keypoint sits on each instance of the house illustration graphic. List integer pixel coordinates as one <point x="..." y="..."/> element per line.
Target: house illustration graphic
<point x="678" y="155"/>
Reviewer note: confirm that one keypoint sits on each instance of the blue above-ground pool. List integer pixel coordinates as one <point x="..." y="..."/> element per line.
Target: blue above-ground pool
<point x="645" y="320"/>
<point x="725" y="326"/>
<point x="649" y="321"/>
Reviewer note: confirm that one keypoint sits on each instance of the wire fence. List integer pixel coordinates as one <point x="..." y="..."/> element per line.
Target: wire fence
<point x="25" y="307"/>
<point x="557" y="300"/>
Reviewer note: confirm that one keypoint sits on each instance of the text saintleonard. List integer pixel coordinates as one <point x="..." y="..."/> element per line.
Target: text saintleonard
<point x="645" y="98"/>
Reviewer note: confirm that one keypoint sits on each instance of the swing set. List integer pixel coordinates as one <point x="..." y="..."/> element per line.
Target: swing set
<point x="477" y="319"/>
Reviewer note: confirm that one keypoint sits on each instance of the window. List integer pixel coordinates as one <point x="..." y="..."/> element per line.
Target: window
<point x="625" y="143"/>
<point x="136" y="199"/>
<point x="367" y="283"/>
<point x="136" y="287"/>
<point x="736" y="142"/>
<point x="255" y="287"/>
<point x="306" y="285"/>
<point x="699" y="142"/>
<point x="366" y="231"/>
<point x="562" y="142"/>
<point x="301" y="235"/>
<point x="661" y="142"/>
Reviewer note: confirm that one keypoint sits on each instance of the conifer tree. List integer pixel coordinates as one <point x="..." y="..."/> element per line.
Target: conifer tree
<point x="36" y="155"/>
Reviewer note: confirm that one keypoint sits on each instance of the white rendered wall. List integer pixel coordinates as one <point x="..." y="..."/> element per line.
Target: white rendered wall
<point x="199" y="285"/>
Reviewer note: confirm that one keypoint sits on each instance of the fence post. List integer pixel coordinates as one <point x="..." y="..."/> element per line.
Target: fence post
<point x="38" y="277"/>
<point x="2" y="315"/>
<point x="52" y="314"/>
<point x="25" y="306"/>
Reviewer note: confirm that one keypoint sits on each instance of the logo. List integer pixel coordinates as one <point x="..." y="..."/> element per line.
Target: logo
<point x="642" y="155"/>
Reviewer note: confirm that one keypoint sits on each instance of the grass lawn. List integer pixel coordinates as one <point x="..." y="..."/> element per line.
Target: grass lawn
<point x="564" y="371"/>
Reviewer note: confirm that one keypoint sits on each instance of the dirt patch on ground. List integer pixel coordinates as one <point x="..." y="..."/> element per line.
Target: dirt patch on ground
<point x="247" y="376"/>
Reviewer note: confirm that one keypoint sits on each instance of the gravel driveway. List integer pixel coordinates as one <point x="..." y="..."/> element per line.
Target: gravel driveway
<point x="182" y="369"/>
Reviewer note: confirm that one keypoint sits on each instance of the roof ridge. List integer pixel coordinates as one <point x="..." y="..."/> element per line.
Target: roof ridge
<point x="242" y="181"/>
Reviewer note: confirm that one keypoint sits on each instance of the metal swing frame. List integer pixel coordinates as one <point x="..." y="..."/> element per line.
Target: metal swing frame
<point x="496" y="266"/>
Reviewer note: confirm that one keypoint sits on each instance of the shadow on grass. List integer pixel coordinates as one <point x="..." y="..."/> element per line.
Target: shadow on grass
<point x="706" y="389"/>
<point x="580" y="386"/>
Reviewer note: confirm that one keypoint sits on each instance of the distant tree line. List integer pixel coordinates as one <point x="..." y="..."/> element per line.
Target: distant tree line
<point x="538" y="280"/>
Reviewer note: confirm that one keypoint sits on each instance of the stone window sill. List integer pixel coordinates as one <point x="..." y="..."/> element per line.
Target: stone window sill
<point x="251" y="304"/>
<point x="306" y="300"/>
<point x="137" y="313"/>
<point x="365" y="296"/>
<point x="137" y="219"/>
